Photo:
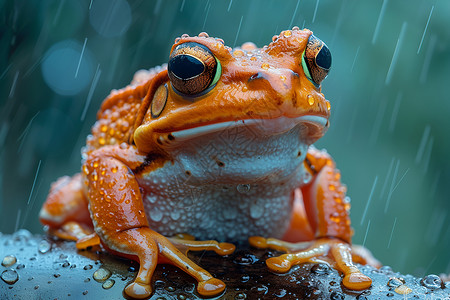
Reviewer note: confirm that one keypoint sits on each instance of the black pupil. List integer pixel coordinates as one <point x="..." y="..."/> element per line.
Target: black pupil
<point x="323" y="58"/>
<point x="185" y="66"/>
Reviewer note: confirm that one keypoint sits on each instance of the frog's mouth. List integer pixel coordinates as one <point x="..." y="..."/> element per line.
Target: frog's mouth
<point x="313" y="127"/>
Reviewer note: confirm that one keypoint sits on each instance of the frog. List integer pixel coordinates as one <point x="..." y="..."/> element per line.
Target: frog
<point x="208" y="151"/>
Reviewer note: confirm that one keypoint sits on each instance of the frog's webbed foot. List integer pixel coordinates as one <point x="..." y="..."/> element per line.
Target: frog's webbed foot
<point x="330" y="250"/>
<point x="152" y="248"/>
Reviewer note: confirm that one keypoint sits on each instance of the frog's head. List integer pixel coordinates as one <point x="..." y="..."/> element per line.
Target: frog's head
<point x="211" y="92"/>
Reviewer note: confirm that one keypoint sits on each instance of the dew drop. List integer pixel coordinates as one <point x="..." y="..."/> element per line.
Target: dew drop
<point x="9" y="276"/>
<point x="9" y="260"/>
<point x="243" y="188"/>
<point x="44" y="246"/>
<point x="108" y="284"/>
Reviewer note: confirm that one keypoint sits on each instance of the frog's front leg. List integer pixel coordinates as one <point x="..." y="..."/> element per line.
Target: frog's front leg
<point x="117" y="212"/>
<point x="328" y="217"/>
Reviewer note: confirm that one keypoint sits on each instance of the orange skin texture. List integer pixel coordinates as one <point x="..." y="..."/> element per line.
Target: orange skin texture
<point x="127" y="143"/>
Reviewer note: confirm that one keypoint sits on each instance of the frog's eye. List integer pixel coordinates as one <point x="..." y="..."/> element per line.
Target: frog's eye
<point x="193" y="69"/>
<point x="316" y="60"/>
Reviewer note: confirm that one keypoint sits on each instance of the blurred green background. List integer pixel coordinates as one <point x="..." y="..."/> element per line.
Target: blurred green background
<point x="388" y="88"/>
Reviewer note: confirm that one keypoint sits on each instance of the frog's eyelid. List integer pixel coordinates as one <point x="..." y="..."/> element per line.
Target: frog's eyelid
<point x="218" y="73"/>
<point x="307" y="72"/>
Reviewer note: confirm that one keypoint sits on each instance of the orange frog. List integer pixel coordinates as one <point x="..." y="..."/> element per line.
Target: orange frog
<point x="213" y="145"/>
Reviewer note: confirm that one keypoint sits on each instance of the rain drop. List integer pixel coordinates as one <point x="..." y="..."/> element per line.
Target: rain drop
<point x="9" y="260"/>
<point x="10" y="276"/>
<point x="243" y="188"/>
<point x="44" y="246"/>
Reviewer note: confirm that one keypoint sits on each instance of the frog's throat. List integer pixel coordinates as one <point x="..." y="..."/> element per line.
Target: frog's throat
<point x="265" y="126"/>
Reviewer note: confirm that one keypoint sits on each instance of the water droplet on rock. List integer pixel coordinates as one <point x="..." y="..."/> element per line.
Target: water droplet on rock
<point x="9" y="276"/>
<point x="108" y="284"/>
<point x="44" y="246"/>
<point x="101" y="274"/>
<point x="9" y="260"/>
<point x="431" y="281"/>
<point x="395" y="282"/>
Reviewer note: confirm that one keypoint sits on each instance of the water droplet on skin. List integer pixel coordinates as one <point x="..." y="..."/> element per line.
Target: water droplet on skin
<point x="243" y="188"/>
<point x="156" y="215"/>
<point x="310" y="99"/>
<point x="44" y="246"/>
<point x="306" y="177"/>
<point x="431" y="281"/>
<point x="9" y="276"/>
<point x="9" y="260"/>
<point x="256" y="211"/>
<point x="87" y="267"/>
<point x="108" y="284"/>
<point x="175" y="215"/>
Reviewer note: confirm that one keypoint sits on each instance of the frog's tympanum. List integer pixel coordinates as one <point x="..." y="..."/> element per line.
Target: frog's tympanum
<point x="214" y="145"/>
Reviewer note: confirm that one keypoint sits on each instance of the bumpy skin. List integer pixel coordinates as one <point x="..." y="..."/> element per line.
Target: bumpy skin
<point x="230" y="163"/>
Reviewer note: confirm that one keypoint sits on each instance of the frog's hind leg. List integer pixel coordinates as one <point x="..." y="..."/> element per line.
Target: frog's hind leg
<point x="65" y="212"/>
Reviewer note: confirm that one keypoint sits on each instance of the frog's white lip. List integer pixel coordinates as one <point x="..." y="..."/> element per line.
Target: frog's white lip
<point x="271" y="126"/>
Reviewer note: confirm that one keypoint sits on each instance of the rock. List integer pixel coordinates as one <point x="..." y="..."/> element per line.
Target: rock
<point x="46" y="268"/>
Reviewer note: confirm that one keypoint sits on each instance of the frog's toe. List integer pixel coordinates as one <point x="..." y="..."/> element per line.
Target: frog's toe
<point x="279" y="264"/>
<point x="210" y="287"/>
<point x="357" y="281"/>
<point x="138" y="290"/>
<point x="186" y="245"/>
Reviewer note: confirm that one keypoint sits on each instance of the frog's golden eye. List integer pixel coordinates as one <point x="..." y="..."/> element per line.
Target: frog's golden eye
<point x="193" y="69"/>
<point x="316" y="60"/>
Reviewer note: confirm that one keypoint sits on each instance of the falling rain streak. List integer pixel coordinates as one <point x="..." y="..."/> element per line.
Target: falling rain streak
<point x="315" y="11"/>
<point x="237" y="33"/>
<point x="425" y="30"/>
<point x="423" y="142"/>
<point x="428" y="55"/>
<point x="395" y="110"/>
<point x="380" y="19"/>
<point x="392" y="233"/>
<point x="13" y="86"/>
<point x="368" y="201"/>
<point x="293" y="15"/>
<point x="367" y="231"/>
<point x="396" y="52"/>
<point x="98" y="72"/>
<point x="81" y="57"/>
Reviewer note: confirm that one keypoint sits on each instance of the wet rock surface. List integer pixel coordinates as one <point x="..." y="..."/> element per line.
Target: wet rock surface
<point x="62" y="272"/>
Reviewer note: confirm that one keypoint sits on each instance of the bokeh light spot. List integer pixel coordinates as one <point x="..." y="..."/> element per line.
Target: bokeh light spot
<point x="110" y="18"/>
<point x="66" y="68"/>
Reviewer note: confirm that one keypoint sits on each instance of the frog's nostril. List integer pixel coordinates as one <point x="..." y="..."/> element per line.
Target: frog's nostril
<point x="255" y="76"/>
